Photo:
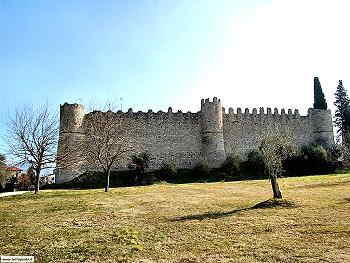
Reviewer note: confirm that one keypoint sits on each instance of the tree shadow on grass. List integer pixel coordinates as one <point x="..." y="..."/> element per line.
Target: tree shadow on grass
<point x="346" y="200"/>
<point x="209" y="215"/>
<point x="322" y="185"/>
<point x="271" y="203"/>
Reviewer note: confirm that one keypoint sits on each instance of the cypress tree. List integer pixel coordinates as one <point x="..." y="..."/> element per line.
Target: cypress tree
<point x="341" y="119"/>
<point x="319" y="100"/>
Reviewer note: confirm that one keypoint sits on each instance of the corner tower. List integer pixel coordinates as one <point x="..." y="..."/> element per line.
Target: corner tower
<point x="213" y="148"/>
<point x="71" y="132"/>
<point x="321" y="117"/>
<point x="71" y="117"/>
<point x="322" y="126"/>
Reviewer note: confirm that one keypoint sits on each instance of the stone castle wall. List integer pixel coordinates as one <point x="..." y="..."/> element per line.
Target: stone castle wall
<point x="167" y="136"/>
<point x="188" y="138"/>
<point x="243" y="131"/>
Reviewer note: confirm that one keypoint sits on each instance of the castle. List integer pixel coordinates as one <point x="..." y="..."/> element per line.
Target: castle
<point x="188" y="138"/>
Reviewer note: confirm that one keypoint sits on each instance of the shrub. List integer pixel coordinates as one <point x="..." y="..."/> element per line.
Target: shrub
<point x="201" y="170"/>
<point x="231" y="166"/>
<point x="334" y="152"/>
<point x="313" y="159"/>
<point x="167" y="170"/>
<point x="149" y="179"/>
<point x="315" y="153"/>
<point x="255" y="163"/>
<point x="24" y="182"/>
<point x="141" y="161"/>
<point x="10" y="184"/>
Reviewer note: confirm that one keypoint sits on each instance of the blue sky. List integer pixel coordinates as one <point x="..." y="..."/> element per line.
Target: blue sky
<point x="146" y="51"/>
<point x="160" y="53"/>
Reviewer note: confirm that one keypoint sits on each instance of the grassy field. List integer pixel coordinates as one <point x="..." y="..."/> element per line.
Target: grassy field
<point x="208" y="222"/>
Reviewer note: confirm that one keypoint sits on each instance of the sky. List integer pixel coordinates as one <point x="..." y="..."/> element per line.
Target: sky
<point x="152" y="54"/>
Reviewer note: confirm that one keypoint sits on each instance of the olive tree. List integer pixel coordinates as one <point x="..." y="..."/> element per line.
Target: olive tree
<point x="277" y="144"/>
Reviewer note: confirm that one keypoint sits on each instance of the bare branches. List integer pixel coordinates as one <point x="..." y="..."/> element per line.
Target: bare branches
<point x="107" y="139"/>
<point x="32" y="138"/>
<point x="107" y="142"/>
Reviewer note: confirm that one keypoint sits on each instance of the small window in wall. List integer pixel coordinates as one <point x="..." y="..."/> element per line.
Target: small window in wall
<point x="205" y="140"/>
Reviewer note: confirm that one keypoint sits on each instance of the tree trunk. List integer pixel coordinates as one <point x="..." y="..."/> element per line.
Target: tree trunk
<point x="107" y="179"/>
<point x="37" y="181"/>
<point x="275" y="188"/>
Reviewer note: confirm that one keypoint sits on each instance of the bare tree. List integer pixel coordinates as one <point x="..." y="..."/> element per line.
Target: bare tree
<point x="277" y="145"/>
<point x="107" y="142"/>
<point x="32" y="138"/>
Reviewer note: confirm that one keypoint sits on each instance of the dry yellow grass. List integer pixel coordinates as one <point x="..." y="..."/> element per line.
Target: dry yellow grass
<point x="209" y="222"/>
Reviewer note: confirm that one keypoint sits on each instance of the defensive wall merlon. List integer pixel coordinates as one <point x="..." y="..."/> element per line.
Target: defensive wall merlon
<point x="212" y="116"/>
<point x="209" y="134"/>
<point x="72" y="115"/>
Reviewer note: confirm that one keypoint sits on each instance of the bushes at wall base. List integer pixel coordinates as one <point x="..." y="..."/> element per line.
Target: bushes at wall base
<point x="97" y="179"/>
<point x="299" y="166"/>
<point x="201" y="170"/>
<point x="167" y="171"/>
<point x="200" y="173"/>
<point x="230" y="169"/>
<point x="254" y="166"/>
<point x="313" y="159"/>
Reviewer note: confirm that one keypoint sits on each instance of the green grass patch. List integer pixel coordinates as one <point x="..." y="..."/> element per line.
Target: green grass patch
<point x="198" y="222"/>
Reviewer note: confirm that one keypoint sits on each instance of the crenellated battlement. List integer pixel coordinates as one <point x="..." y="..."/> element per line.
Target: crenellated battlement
<point x="207" y="101"/>
<point x="150" y="114"/>
<point x="78" y="109"/>
<point x="191" y="137"/>
<point x="208" y="105"/>
<point x="71" y="117"/>
<point x="261" y="113"/>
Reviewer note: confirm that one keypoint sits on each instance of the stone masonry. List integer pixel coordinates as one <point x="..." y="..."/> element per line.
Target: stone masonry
<point x="188" y="138"/>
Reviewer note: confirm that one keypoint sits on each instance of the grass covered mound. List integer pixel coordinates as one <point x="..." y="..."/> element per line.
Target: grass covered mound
<point x="273" y="202"/>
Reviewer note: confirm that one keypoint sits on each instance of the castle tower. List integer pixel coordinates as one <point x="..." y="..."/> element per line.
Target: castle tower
<point x="321" y="119"/>
<point x="322" y="128"/>
<point x="71" y="120"/>
<point x="71" y="117"/>
<point x="212" y="134"/>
